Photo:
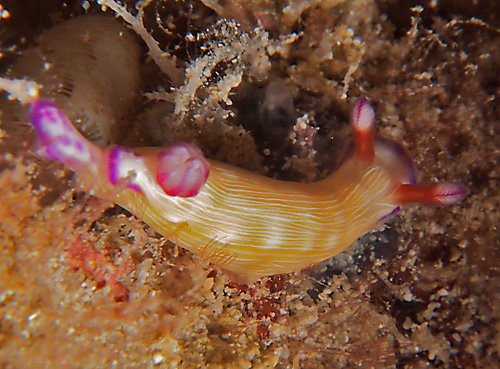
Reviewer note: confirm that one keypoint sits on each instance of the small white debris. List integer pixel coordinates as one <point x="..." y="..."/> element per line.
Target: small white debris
<point x="158" y="359"/>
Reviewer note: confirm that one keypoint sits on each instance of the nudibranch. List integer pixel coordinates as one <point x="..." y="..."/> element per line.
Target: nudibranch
<point x="247" y="224"/>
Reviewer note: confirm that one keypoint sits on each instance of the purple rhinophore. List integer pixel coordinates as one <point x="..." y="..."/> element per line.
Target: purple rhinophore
<point x="182" y="169"/>
<point x="123" y="163"/>
<point x="58" y="139"/>
<point x="450" y="193"/>
<point x="363" y="115"/>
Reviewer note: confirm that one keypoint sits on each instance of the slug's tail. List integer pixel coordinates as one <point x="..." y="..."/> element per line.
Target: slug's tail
<point x="181" y="169"/>
<point x="58" y="140"/>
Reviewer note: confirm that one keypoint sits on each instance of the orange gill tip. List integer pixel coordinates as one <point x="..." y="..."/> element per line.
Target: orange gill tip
<point x="363" y="125"/>
<point x="444" y="193"/>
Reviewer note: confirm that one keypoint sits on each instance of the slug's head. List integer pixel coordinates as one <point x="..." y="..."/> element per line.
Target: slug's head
<point x="368" y="150"/>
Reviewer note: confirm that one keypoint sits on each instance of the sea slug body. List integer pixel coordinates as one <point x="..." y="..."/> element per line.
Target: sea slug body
<point x="249" y="225"/>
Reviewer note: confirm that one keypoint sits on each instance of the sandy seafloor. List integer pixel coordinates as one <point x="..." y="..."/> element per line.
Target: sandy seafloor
<point x="421" y="292"/>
